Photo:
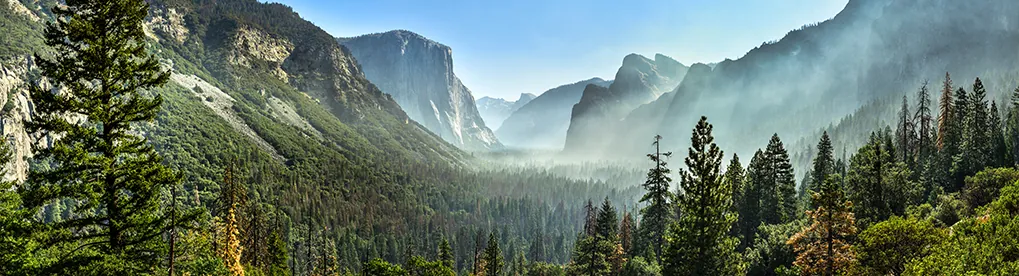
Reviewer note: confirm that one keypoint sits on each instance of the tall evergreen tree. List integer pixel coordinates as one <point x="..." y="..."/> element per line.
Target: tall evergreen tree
<point x="749" y="205"/>
<point x="656" y="214"/>
<point x="945" y="115"/>
<point x="699" y="242"/>
<point x="734" y="178"/>
<point x="445" y="254"/>
<point x="823" y="247"/>
<point x="492" y="257"/>
<point x="590" y="219"/>
<point x="608" y="221"/>
<point x="781" y="198"/>
<point x="923" y="127"/>
<point x="112" y="176"/>
<point x="824" y="162"/>
<point x="976" y="147"/>
<point x="626" y="233"/>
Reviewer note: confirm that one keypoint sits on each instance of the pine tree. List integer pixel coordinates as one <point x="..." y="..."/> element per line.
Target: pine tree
<point x="657" y="213"/>
<point x="924" y="131"/>
<point x="589" y="257"/>
<point x="976" y="147"/>
<point x="780" y="200"/>
<point x="824" y="163"/>
<point x="750" y="207"/>
<point x="823" y="247"/>
<point x="626" y="233"/>
<point x="590" y="219"/>
<point x="734" y="178"/>
<point x="101" y="64"/>
<point x="492" y="257"/>
<point x="538" y="252"/>
<point x="698" y="243"/>
<point x="445" y="254"/>
<point x="607" y="222"/>
<point x="945" y="117"/>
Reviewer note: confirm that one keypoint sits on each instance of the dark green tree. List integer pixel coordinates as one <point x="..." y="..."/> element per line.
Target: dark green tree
<point x="112" y="176"/>
<point x="735" y="177"/>
<point x="780" y="200"/>
<point x="607" y="222"/>
<point x="655" y="216"/>
<point x="492" y="257"/>
<point x="1012" y="130"/>
<point x="998" y="149"/>
<point x="749" y="204"/>
<point x="923" y="125"/>
<point x="16" y="241"/>
<point x="824" y="163"/>
<point x="699" y="242"/>
<point x="976" y="144"/>
<point x="589" y="257"/>
<point x="905" y="135"/>
<point x="445" y="253"/>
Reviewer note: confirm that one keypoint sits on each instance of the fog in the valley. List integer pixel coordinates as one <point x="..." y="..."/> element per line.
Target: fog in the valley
<point x="863" y="59"/>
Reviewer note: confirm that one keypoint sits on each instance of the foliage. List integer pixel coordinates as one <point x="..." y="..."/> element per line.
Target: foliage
<point x="983" y="187"/>
<point x="823" y="247"/>
<point x="657" y="213"/>
<point x="698" y="243"/>
<point x="886" y="247"/>
<point x="770" y="254"/>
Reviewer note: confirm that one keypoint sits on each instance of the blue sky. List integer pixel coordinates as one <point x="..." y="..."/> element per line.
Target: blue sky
<point x="504" y="48"/>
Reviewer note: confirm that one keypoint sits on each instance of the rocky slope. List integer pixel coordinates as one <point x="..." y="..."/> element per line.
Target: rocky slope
<point x="496" y="110"/>
<point x="255" y="85"/>
<point x="418" y="73"/>
<point x="638" y="81"/>
<point x="817" y="74"/>
<point x="542" y="123"/>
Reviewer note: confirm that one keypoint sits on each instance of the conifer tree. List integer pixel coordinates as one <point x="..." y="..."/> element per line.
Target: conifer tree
<point x="823" y="248"/>
<point x="699" y="242"/>
<point x="780" y="200"/>
<point x="445" y="254"/>
<point x="492" y="257"/>
<point x="114" y="177"/>
<point x="626" y="233"/>
<point x="945" y="115"/>
<point x="976" y="147"/>
<point x="824" y="163"/>
<point x="590" y="219"/>
<point x="607" y="222"/>
<point x="750" y="211"/>
<point x="538" y="251"/>
<point x="734" y="178"/>
<point x="655" y="216"/>
<point x="924" y="131"/>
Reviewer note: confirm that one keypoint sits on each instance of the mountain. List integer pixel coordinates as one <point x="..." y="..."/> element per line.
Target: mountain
<point x="638" y="81"/>
<point x="495" y="110"/>
<point x="253" y="84"/>
<point x="542" y="123"/>
<point x="418" y="73"/>
<point x="872" y="50"/>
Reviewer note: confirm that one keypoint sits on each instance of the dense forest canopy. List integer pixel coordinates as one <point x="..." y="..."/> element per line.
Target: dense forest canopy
<point x="232" y="137"/>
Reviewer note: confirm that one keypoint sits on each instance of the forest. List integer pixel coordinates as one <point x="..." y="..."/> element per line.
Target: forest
<point x="129" y="177"/>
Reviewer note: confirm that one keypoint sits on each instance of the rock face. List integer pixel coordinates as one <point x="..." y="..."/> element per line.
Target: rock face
<point x="542" y="123"/>
<point x="496" y="110"/>
<point x="418" y="73"/>
<point x="16" y="109"/>
<point x="638" y="81"/>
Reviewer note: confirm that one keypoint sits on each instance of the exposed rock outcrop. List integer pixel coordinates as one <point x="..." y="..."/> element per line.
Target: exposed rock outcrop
<point x="16" y="109"/>
<point x="418" y="73"/>
<point x="254" y="48"/>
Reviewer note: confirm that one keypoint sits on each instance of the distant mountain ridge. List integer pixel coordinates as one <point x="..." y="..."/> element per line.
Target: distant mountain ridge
<point x="638" y="81"/>
<point x="418" y="73"/>
<point x="816" y="75"/>
<point x="496" y="110"/>
<point x="542" y="122"/>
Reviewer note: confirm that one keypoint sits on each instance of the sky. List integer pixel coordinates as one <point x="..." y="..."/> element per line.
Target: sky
<point x="504" y="48"/>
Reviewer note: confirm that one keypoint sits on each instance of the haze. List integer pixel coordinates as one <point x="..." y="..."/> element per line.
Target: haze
<point x="502" y="49"/>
